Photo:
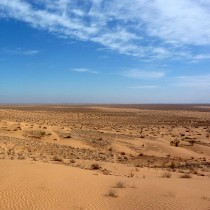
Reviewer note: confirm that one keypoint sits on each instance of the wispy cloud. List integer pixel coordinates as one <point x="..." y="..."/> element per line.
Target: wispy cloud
<point x="201" y="57"/>
<point x="198" y="81"/>
<point x="142" y="74"/>
<point x="20" y="51"/>
<point x="143" y="87"/>
<point x="155" y="29"/>
<point x="84" y="70"/>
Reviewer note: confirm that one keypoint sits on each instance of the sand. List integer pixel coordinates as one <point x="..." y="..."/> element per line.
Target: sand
<point x="104" y="157"/>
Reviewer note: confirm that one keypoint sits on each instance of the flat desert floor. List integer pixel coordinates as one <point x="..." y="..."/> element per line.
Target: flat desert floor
<point x="106" y="157"/>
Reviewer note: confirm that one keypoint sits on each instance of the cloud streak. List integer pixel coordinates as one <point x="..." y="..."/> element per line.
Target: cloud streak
<point x="143" y="87"/>
<point x="84" y="70"/>
<point x="141" y="74"/>
<point x="20" y="51"/>
<point x="198" y="81"/>
<point x="146" y="29"/>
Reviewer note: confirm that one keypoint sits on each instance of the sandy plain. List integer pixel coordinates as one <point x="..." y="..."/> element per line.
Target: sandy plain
<point x="132" y="157"/>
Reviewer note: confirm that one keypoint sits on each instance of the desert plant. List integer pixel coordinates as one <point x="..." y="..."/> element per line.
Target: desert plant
<point x="131" y="174"/>
<point x="186" y="176"/>
<point x="171" y="165"/>
<point x="175" y="143"/>
<point x="42" y="133"/>
<point x="95" y="166"/>
<point x="21" y="157"/>
<point x="57" y="158"/>
<point x="166" y="175"/>
<point x="105" y="172"/>
<point x="193" y="171"/>
<point x="120" y="184"/>
<point x="112" y="193"/>
<point x="192" y="141"/>
<point x="72" y="161"/>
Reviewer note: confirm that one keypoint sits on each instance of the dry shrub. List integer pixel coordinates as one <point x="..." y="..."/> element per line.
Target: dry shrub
<point x="175" y="143"/>
<point x="21" y="157"/>
<point x="166" y="175"/>
<point x="186" y="176"/>
<point x="64" y="135"/>
<point x="112" y="193"/>
<point x="95" y="166"/>
<point x="106" y="172"/>
<point x="35" y="134"/>
<point x="120" y="184"/>
<point x="193" y="171"/>
<point x="57" y="158"/>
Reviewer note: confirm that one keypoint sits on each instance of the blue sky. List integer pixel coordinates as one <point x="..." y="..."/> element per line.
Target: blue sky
<point x="100" y="51"/>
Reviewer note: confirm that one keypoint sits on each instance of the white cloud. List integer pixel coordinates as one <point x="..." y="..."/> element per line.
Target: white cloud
<point x="84" y="70"/>
<point x="198" y="81"/>
<point x="140" y="74"/>
<point x="154" y="29"/>
<point x="181" y="21"/>
<point x="20" y="51"/>
<point x="201" y="57"/>
<point x="143" y="87"/>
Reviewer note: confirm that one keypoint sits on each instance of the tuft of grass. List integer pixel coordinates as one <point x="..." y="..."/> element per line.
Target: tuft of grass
<point x="95" y="166"/>
<point x="42" y="133"/>
<point x="205" y="198"/>
<point x="106" y="172"/>
<point x="172" y="165"/>
<point x="186" y="176"/>
<point x="166" y="175"/>
<point x="193" y="171"/>
<point x="112" y="193"/>
<point x="120" y="184"/>
<point x="175" y="143"/>
<point x="21" y="157"/>
<point x="57" y="158"/>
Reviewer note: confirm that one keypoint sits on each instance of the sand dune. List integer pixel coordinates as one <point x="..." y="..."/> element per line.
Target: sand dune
<point x="104" y="158"/>
<point x="35" y="185"/>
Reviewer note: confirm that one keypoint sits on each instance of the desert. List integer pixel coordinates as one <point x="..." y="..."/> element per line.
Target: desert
<point x="126" y="157"/>
<point x="104" y="105"/>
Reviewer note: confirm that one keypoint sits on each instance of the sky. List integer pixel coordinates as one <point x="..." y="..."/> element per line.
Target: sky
<point x="102" y="51"/>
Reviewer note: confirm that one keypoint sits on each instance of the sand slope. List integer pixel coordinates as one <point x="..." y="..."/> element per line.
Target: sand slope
<point x="34" y="185"/>
<point x="73" y="157"/>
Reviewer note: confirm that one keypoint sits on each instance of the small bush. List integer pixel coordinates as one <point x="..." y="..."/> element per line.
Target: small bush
<point x="120" y="184"/>
<point x="42" y="133"/>
<point x="166" y="175"/>
<point x="56" y="158"/>
<point x="175" y="143"/>
<point x="21" y="157"/>
<point x="72" y="161"/>
<point x="106" y="172"/>
<point x="112" y="193"/>
<point x="193" y="171"/>
<point x="192" y="141"/>
<point x="186" y="176"/>
<point x="172" y="165"/>
<point x="95" y="166"/>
